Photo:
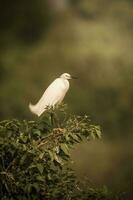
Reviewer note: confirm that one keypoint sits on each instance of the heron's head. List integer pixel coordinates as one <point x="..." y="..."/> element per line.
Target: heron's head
<point x="67" y="76"/>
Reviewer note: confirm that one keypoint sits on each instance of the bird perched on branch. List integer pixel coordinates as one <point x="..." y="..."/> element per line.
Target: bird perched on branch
<point x="53" y="95"/>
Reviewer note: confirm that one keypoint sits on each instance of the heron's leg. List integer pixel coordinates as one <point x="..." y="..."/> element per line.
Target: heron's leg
<point x="54" y="120"/>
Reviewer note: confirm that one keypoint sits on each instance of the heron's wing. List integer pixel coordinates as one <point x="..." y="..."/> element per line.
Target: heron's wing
<point x="54" y="94"/>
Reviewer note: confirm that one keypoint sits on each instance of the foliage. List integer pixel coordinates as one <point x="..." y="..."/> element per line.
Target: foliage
<point x="34" y="155"/>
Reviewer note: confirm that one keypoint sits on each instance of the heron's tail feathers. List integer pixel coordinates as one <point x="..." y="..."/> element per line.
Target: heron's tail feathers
<point x="33" y="109"/>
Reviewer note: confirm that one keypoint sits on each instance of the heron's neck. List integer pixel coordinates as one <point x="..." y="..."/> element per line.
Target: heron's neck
<point x="66" y="82"/>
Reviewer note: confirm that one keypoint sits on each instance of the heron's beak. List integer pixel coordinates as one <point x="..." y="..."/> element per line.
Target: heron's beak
<point x="74" y="77"/>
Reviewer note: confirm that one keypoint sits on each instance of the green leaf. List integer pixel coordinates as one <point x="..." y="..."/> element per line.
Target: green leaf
<point x="49" y="177"/>
<point x="36" y="186"/>
<point x="41" y="155"/>
<point x="40" y="167"/>
<point x="32" y="166"/>
<point x="37" y="132"/>
<point x="23" y="159"/>
<point x="67" y="138"/>
<point x="51" y="154"/>
<point x="98" y="132"/>
<point x="65" y="149"/>
<point x="75" y="137"/>
<point x="58" y="159"/>
<point x="40" y="178"/>
<point x="28" y="187"/>
<point x="57" y="149"/>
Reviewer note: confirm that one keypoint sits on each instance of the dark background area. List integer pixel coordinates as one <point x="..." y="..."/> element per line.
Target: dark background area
<point x="93" y="40"/>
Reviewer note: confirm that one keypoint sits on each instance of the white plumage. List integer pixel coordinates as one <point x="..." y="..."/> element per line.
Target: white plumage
<point x="53" y="95"/>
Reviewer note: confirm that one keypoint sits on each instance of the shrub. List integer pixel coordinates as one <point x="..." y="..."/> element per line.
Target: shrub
<point x="34" y="157"/>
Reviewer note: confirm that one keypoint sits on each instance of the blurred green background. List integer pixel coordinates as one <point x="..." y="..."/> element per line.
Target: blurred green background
<point x="40" y="39"/>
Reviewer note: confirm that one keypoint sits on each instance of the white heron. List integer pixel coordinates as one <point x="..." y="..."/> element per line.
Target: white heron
<point x="53" y="95"/>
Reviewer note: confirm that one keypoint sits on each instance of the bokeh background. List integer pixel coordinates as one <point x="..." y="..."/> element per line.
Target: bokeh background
<point x="92" y="39"/>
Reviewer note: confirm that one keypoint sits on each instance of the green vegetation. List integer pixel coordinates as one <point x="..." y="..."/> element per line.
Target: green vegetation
<point x="34" y="158"/>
